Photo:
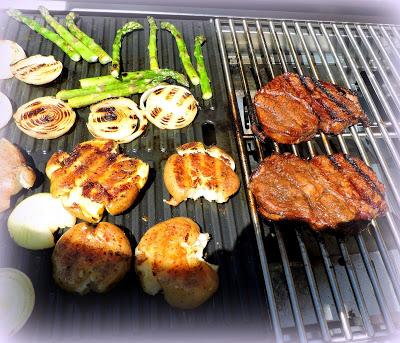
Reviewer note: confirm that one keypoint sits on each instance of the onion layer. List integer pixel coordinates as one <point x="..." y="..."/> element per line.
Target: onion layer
<point x="5" y="110"/>
<point x="117" y="119"/>
<point x="11" y="52"/>
<point x="169" y="106"/>
<point x="17" y="299"/>
<point x="37" y="70"/>
<point x="45" y="118"/>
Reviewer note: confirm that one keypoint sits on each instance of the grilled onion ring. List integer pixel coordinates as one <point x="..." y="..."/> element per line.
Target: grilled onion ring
<point x="117" y="119"/>
<point x="45" y="118"/>
<point x="37" y="69"/>
<point x="169" y="106"/>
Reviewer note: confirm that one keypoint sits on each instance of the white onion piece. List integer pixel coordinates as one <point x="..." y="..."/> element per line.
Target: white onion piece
<point x="37" y="70"/>
<point x="45" y="118"/>
<point x="5" y="110"/>
<point x="34" y="220"/>
<point x="17" y="299"/>
<point x="10" y="52"/>
<point x="169" y="106"/>
<point x="117" y="119"/>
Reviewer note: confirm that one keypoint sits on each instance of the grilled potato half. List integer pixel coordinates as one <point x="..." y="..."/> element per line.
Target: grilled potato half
<point x="91" y="258"/>
<point x="169" y="258"/>
<point x="95" y="177"/>
<point x="196" y="171"/>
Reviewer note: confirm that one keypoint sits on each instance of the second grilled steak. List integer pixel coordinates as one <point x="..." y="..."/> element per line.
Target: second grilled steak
<point x="293" y="108"/>
<point x="326" y="191"/>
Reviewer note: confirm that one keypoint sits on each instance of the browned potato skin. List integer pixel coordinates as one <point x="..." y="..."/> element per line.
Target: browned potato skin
<point x="91" y="258"/>
<point x="107" y="178"/>
<point x="186" y="283"/>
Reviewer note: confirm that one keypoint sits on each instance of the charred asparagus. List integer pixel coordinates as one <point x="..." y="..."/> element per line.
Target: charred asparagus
<point x="183" y="52"/>
<point x="152" y="47"/>
<point x="104" y="58"/>
<point x="135" y="75"/>
<point x="46" y="33"/>
<point x="201" y="68"/>
<point x="116" y="48"/>
<point x="124" y="90"/>
<point x="87" y="54"/>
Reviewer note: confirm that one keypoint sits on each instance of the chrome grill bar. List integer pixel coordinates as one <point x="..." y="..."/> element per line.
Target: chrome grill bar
<point x="325" y="255"/>
<point x="246" y="171"/>
<point x="378" y="42"/>
<point x="391" y="43"/>
<point x="290" y="56"/>
<point x="388" y="82"/>
<point x="360" y="240"/>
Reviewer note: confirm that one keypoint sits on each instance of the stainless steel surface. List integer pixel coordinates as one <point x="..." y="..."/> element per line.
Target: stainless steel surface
<point x="378" y="11"/>
<point x="339" y="54"/>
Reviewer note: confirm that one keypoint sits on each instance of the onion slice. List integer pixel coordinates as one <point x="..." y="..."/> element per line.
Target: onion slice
<point x="117" y="119"/>
<point x="37" y="70"/>
<point x="34" y="220"/>
<point x="45" y="118"/>
<point x="17" y="299"/>
<point x="11" y="52"/>
<point x="5" y="110"/>
<point x="169" y="106"/>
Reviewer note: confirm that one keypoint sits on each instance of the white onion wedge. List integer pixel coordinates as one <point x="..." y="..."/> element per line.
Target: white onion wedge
<point x="17" y="299"/>
<point x="117" y="119"/>
<point x="45" y="118"/>
<point x="10" y="52"/>
<point x="37" y="70"/>
<point x="34" y="220"/>
<point x="5" y="110"/>
<point x="169" y="106"/>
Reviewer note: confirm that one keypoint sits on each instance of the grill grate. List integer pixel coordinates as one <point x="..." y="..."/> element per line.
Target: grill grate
<point x="358" y="56"/>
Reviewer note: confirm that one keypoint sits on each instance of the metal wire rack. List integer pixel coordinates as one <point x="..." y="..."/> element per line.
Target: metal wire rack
<point x="364" y="58"/>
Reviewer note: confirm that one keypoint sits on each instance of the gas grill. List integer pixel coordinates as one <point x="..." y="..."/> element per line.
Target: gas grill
<point x="278" y="282"/>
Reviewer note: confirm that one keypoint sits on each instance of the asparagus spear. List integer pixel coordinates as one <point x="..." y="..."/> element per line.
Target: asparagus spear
<point x="128" y="27"/>
<point x="201" y="67"/>
<point x="67" y="94"/>
<point x="183" y="53"/>
<point x="87" y="54"/>
<point x="124" y="90"/>
<point x="46" y="33"/>
<point x="104" y="58"/>
<point x="152" y="47"/>
<point x="134" y="75"/>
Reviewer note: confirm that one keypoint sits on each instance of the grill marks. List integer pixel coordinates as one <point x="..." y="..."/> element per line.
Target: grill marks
<point x="103" y="175"/>
<point x="292" y="108"/>
<point x="326" y="191"/>
<point x="118" y="119"/>
<point x="200" y="169"/>
<point x="199" y="172"/>
<point x="45" y="118"/>
<point x="169" y="107"/>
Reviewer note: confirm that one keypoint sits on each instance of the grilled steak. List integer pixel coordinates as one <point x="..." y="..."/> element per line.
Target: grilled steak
<point x="292" y="108"/>
<point x="326" y="191"/>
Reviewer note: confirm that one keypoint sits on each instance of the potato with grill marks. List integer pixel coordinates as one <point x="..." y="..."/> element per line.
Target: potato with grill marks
<point x="94" y="177"/>
<point x="196" y="171"/>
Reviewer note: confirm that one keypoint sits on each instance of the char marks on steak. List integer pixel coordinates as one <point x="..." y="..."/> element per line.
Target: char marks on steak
<point x="327" y="192"/>
<point x="291" y="109"/>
